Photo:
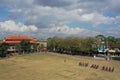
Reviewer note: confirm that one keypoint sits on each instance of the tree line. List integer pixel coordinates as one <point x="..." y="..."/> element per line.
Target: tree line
<point x="109" y="39"/>
<point x="74" y="45"/>
<point x="68" y="45"/>
<point x="80" y="46"/>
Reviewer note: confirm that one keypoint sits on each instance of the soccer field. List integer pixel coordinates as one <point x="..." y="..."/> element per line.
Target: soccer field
<point x="51" y="66"/>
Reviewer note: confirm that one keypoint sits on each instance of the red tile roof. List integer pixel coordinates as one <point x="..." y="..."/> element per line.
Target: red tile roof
<point x="18" y="39"/>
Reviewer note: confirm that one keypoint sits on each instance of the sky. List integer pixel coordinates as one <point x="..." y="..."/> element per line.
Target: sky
<point x="48" y="18"/>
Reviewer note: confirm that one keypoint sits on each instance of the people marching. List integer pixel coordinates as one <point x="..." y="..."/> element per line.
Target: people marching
<point x="95" y="66"/>
<point x="83" y="64"/>
<point x="109" y="69"/>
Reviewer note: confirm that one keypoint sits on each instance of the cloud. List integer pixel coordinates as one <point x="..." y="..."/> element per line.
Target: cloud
<point x="45" y="16"/>
<point x="46" y="12"/>
<point x="54" y="16"/>
<point x="101" y="6"/>
<point x="114" y="31"/>
<point x="11" y="26"/>
<point x="16" y="3"/>
<point x="97" y="19"/>
<point x="65" y="30"/>
<point x="53" y="3"/>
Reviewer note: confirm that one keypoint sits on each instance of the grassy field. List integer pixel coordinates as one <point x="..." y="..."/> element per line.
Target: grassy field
<point x="52" y="66"/>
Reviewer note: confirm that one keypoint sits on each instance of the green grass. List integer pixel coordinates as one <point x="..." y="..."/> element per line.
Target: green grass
<point x="52" y="67"/>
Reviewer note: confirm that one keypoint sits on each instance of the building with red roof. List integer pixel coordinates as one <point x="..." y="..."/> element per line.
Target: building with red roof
<point x="13" y="40"/>
<point x="18" y="39"/>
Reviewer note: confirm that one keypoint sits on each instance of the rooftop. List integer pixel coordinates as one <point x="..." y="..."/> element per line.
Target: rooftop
<point x="18" y="39"/>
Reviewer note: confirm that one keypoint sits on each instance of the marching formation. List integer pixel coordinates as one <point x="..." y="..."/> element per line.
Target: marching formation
<point x="95" y="66"/>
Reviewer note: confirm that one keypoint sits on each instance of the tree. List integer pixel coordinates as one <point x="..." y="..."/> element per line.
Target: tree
<point x="25" y="46"/>
<point x="41" y="47"/>
<point x="4" y="49"/>
<point x="111" y="40"/>
<point x="117" y="40"/>
<point x="18" y="48"/>
<point x="101" y="38"/>
<point x="35" y="47"/>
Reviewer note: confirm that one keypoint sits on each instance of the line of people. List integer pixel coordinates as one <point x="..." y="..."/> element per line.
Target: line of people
<point x="94" y="66"/>
<point x="83" y="64"/>
<point x="109" y="69"/>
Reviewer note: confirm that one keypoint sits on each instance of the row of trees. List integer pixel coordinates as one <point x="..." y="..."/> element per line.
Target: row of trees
<point x="74" y="45"/>
<point x="69" y="45"/>
<point x="110" y="39"/>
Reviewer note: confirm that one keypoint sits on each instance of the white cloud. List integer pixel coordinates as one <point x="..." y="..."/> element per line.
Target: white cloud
<point x="114" y="31"/>
<point x="11" y="26"/>
<point x="44" y="16"/>
<point x="46" y="13"/>
<point x="65" y="30"/>
<point x="15" y="10"/>
<point x="87" y="17"/>
<point x="97" y="19"/>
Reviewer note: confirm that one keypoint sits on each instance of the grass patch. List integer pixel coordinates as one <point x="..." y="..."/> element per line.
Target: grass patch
<point x="50" y="66"/>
